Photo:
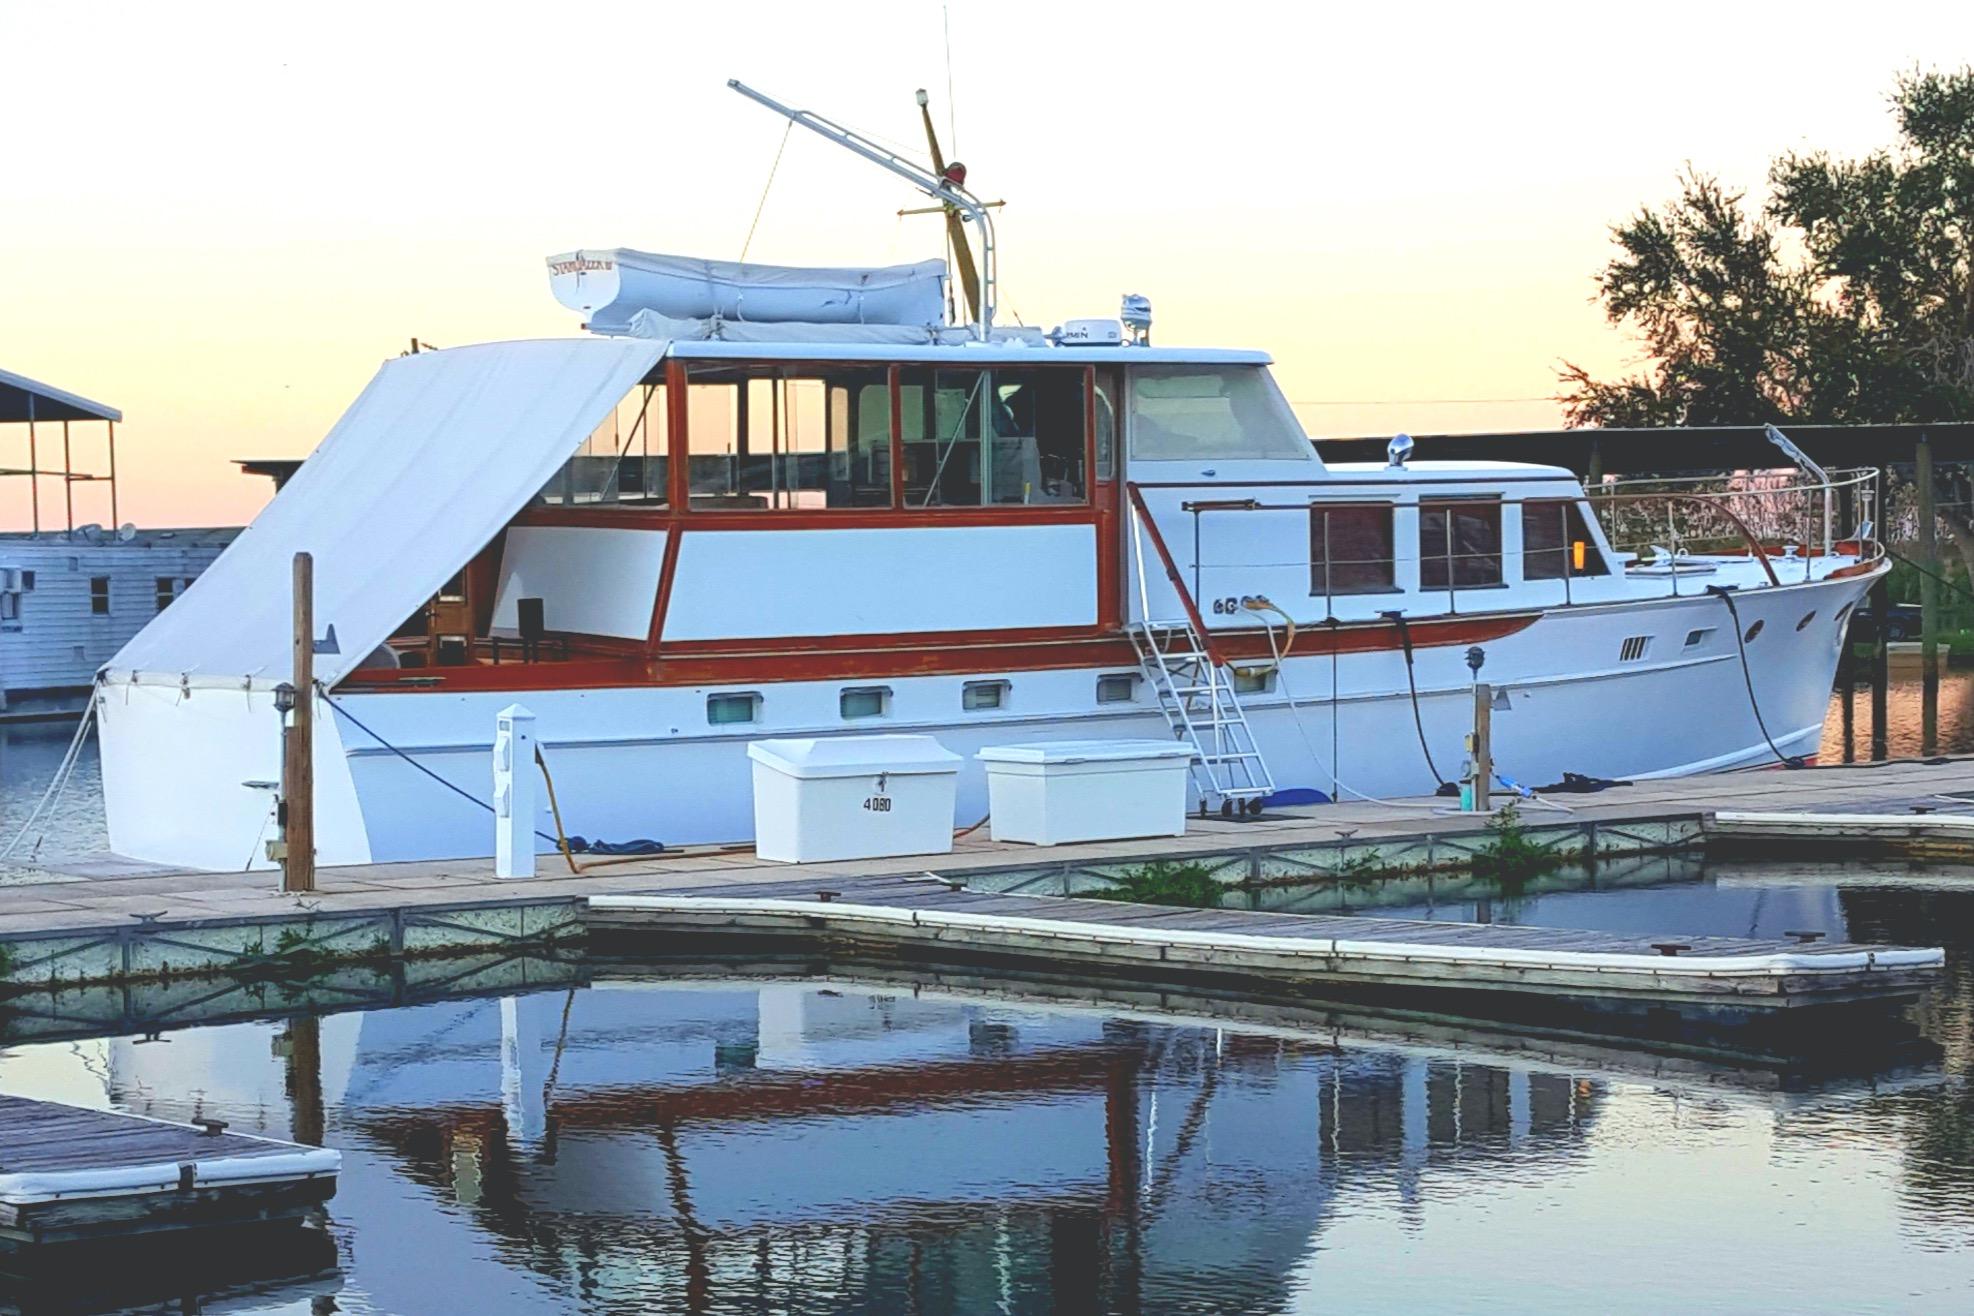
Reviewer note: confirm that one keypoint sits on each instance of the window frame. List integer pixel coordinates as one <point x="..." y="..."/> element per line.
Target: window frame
<point x="883" y="693"/>
<point x="99" y="599"/>
<point x="1446" y="551"/>
<point x="1002" y="687"/>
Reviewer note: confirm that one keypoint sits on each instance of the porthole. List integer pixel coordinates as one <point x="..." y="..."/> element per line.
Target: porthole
<point x="730" y="709"/>
<point x="1808" y="617"/>
<point x="1748" y="636"/>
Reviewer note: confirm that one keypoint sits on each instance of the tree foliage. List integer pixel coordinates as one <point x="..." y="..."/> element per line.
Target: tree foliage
<point x="1847" y="297"/>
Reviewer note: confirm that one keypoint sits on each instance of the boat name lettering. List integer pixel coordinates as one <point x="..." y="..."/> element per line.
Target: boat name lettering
<point x="581" y="265"/>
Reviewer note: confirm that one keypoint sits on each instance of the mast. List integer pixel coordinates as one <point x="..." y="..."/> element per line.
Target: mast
<point x="947" y="187"/>
<point x="955" y="226"/>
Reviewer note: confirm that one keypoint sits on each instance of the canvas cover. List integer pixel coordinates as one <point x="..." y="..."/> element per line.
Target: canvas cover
<point x="434" y="457"/>
<point x="611" y="286"/>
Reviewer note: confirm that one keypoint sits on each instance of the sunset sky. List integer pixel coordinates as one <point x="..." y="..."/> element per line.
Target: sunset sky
<point x="221" y="218"/>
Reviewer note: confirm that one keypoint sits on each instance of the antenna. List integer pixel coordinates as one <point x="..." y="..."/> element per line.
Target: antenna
<point x="946" y="187"/>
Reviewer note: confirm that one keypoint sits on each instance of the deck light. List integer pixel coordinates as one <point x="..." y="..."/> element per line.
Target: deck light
<point x="955" y="174"/>
<point x="1398" y="452"/>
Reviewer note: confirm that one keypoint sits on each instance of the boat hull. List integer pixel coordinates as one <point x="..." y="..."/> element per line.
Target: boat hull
<point x="407" y="774"/>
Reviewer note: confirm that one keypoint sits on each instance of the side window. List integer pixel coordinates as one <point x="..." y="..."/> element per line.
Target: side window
<point x="1459" y="543"/>
<point x="788" y="437"/>
<point x="623" y="459"/>
<point x="1351" y="549"/>
<point x="975" y="438"/>
<point x="1556" y="542"/>
<point x="99" y="596"/>
<point x="1106" y="424"/>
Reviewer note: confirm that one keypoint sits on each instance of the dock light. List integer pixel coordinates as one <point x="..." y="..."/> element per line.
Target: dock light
<point x="284" y="699"/>
<point x="1475" y="657"/>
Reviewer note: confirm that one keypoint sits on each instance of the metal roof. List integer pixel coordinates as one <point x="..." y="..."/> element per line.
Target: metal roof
<point x="1697" y="448"/>
<point x="22" y="399"/>
<point x="963" y="354"/>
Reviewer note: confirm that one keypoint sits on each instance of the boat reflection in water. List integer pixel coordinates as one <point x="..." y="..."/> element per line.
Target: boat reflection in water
<point x="738" y="1146"/>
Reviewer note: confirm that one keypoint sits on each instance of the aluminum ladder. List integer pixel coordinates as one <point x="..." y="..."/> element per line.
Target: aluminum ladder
<point x="1195" y="690"/>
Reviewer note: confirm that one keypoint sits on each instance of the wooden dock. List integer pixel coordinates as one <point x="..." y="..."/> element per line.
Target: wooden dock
<point x="937" y="920"/>
<point x="71" y="1176"/>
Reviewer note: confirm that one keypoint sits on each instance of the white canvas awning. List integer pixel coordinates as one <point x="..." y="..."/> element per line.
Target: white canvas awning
<point x="431" y="461"/>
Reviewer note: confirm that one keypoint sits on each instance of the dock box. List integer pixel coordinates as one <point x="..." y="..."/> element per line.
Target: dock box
<point x="1086" y="790"/>
<point x="852" y="797"/>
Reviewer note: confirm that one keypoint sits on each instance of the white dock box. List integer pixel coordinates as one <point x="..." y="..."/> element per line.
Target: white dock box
<point x="852" y="797"/>
<point x="1086" y="790"/>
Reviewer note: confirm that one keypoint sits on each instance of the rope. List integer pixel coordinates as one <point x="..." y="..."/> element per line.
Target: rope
<point x="1748" y="677"/>
<point x="762" y="204"/>
<point x="58" y="783"/>
<point x="470" y="798"/>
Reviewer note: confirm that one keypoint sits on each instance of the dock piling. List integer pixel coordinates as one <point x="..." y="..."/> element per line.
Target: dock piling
<point x="298" y="742"/>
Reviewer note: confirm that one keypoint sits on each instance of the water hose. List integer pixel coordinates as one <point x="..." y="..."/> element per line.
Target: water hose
<point x="1726" y="595"/>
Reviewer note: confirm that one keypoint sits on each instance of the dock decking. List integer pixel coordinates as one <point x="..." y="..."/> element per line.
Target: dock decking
<point x="71" y="1175"/>
<point x="934" y="919"/>
<point x="114" y="922"/>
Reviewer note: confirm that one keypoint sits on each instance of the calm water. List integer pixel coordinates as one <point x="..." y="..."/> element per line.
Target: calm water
<point x="651" y="1143"/>
<point x="721" y="1145"/>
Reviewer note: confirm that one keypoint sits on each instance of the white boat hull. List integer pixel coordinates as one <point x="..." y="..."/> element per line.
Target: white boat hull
<point x="643" y="763"/>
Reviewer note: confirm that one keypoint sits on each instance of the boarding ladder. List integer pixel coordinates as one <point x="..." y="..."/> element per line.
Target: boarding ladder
<point x="1195" y="689"/>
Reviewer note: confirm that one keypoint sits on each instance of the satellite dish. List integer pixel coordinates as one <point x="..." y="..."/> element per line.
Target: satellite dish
<point x="126" y="532"/>
<point x="91" y="533"/>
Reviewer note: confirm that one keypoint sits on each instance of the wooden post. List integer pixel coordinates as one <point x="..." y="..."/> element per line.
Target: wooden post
<point x="1483" y="751"/>
<point x="298" y="746"/>
<point x="1847" y="691"/>
<point x="1929" y="600"/>
<point x="1881" y="607"/>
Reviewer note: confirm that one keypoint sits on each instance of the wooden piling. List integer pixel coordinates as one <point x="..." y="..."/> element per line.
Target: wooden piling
<point x="1483" y="750"/>
<point x="1881" y="666"/>
<point x="1929" y="599"/>
<point x="298" y="745"/>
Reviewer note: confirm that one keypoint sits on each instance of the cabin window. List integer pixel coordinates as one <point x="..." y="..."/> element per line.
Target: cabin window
<point x="1229" y="413"/>
<point x="771" y="436"/>
<point x="730" y="709"/>
<point x="979" y="438"/>
<point x="1117" y="688"/>
<point x="622" y="460"/>
<point x="1556" y="542"/>
<point x="99" y="596"/>
<point x="1459" y="543"/>
<point x="10" y="609"/>
<point x="27" y="582"/>
<point x="1351" y="549"/>
<point x="980" y="696"/>
<point x="864" y="701"/>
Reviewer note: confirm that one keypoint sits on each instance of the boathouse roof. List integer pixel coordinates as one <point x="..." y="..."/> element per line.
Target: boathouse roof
<point x="23" y="399"/>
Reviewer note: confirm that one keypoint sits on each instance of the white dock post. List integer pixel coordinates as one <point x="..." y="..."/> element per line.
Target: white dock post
<point x="514" y="792"/>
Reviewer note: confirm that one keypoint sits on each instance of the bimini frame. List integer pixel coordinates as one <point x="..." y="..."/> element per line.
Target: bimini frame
<point x="23" y="401"/>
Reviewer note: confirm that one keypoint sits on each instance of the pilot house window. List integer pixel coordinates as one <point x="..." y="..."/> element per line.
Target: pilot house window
<point x="977" y="438"/>
<point x="1459" y="543"/>
<point x="788" y="436"/>
<point x="623" y="459"/>
<point x="1350" y="550"/>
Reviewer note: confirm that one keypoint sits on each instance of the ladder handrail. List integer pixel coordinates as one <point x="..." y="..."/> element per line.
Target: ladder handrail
<point x="1171" y="571"/>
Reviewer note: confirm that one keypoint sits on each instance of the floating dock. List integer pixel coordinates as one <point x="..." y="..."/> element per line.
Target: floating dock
<point x="939" y="921"/>
<point x="116" y="923"/>
<point x="72" y="1177"/>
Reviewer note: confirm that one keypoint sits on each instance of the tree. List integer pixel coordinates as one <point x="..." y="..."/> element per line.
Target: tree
<point x="1849" y="297"/>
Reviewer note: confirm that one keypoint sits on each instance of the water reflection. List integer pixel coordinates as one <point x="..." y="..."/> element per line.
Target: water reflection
<point x="1904" y="711"/>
